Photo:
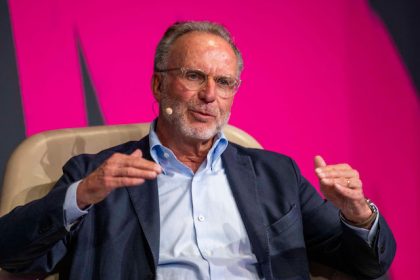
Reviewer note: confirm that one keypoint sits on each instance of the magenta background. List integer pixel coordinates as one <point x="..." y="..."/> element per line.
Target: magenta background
<point x="321" y="77"/>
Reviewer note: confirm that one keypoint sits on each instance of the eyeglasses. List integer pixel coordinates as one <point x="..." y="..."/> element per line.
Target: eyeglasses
<point x="194" y="79"/>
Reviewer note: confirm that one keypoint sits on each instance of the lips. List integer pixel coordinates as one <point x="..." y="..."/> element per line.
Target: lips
<point x="202" y="115"/>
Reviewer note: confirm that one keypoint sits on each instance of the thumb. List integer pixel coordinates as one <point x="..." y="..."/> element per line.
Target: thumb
<point x="136" y="153"/>
<point x="319" y="161"/>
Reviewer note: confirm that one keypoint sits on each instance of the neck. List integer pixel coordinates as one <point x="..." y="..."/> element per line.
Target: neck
<point x="190" y="151"/>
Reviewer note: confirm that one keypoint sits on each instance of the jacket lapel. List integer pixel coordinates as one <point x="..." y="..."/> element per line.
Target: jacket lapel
<point x="145" y="200"/>
<point x="242" y="179"/>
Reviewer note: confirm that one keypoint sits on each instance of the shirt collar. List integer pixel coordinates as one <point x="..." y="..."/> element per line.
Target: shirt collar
<point x="160" y="153"/>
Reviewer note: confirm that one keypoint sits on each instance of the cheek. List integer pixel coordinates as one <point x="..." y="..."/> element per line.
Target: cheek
<point x="183" y="101"/>
<point x="182" y="95"/>
<point x="225" y="106"/>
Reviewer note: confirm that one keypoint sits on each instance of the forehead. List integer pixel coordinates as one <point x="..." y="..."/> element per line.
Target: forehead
<point x="202" y="50"/>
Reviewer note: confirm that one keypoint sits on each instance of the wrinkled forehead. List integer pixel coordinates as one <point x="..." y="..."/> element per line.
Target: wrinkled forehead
<point x="204" y="51"/>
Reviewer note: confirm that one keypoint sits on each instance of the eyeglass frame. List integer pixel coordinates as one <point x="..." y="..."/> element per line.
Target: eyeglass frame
<point x="183" y="70"/>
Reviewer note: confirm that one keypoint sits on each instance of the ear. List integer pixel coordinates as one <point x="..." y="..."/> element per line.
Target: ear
<point x="157" y="86"/>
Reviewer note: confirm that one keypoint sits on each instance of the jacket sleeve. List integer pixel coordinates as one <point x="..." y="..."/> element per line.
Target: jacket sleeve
<point x="331" y="242"/>
<point x="33" y="237"/>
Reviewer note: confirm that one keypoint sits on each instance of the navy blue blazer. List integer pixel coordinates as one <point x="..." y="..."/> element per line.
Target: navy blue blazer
<point x="287" y="222"/>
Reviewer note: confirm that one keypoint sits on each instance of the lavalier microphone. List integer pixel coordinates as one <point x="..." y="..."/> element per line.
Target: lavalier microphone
<point x="169" y="111"/>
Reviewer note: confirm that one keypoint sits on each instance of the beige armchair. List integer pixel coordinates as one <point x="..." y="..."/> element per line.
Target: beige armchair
<point x="36" y="164"/>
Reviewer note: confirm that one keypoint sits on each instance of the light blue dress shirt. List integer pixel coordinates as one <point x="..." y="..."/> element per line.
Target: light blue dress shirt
<point x="202" y="235"/>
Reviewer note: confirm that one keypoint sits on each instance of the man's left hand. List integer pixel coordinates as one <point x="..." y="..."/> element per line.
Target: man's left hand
<point x="341" y="185"/>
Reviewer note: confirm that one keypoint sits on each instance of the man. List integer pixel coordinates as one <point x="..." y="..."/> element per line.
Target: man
<point x="183" y="203"/>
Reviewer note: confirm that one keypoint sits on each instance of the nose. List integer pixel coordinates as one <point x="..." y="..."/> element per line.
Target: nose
<point x="208" y="92"/>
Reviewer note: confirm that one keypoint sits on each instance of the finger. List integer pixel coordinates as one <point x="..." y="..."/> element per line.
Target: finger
<point x="134" y="159"/>
<point x="334" y="184"/>
<point x="330" y="182"/>
<point x="346" y="192"/>
<point x="136" y="153"/>
<point x="120" y="182"/>
<point x="334" y="173"/>
<point x="344" y="182"/>
<point x="132" y="172"/>
<point x="109" y="183"/>
<point x="326" y="182"/>
<point x="337" y="190"/>
<point x="354" y="183"/>
<point x="319" y="161"/>
<point x="340" y="166"/>
<point x="147" y="165"/>
<point x="327" y="187"/>
<point x="341" y="190"/>
<point x="140" y="163"/>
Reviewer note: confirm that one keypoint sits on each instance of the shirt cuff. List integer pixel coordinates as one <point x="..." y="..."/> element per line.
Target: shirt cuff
<point x="72" y="212"/>
<point x="366" y="234"/>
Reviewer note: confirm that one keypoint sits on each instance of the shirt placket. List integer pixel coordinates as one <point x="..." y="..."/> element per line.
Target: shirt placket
<point x="201" y="216"/>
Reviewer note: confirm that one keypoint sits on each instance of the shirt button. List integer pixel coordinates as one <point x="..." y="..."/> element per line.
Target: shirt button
<point x="166" y="155"/>
<point x="201" y="218"/>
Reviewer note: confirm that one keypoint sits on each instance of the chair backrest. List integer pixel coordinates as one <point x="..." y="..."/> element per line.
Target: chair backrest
<point x="36" y="164"/>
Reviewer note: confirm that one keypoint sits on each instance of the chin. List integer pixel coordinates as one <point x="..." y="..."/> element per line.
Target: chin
<point x="200" y="133"/>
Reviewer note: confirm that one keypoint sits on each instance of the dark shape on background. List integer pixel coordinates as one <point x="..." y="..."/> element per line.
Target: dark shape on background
<point x="93" y="110"/>
<point x="12" y="125"/>
<point x="402" y="20"/>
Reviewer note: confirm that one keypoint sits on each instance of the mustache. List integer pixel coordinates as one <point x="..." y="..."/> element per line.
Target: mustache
<point x="191" y="105"/>
<point x="204" y="108"/>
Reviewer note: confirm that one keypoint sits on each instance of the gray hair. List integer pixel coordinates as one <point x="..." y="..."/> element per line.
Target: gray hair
<point x="183" y="27"/>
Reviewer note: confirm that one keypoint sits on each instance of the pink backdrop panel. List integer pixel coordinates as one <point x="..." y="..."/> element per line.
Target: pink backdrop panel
<point x="49" y="71"/>
<point x="320" y="77"/>
<point x="385" y="133"/>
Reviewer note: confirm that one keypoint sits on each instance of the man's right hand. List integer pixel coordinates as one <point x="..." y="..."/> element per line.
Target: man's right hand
<point x="120" y="170"/>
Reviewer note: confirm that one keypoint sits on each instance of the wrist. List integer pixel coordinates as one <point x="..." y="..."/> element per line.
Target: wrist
<point x="365" y="221"/>
<point x="80" y="197"/>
